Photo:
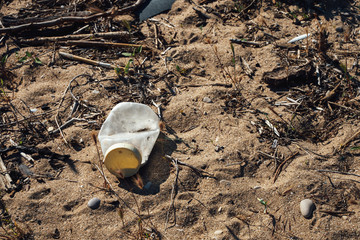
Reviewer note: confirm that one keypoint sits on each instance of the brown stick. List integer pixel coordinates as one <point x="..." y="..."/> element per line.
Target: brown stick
<point x="62" y="20"/>
<point x="42" y="40"/>
<point x="102" y="44"/>
<point x="89" y="61"/>
<point x="278" y="170"/>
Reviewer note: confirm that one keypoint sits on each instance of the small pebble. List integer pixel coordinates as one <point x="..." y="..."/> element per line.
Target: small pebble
<point x="307" y="207"/>
<point x="207" y="100"/>
<point x="218" y="232"/>
<point x="257" y="187"/>
<point x="94" y="203"/>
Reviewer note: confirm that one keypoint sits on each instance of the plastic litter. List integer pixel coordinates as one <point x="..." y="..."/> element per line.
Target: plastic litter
<point x="127" y="138"/>
<point x="301" y="37"/>
<point x="153" y="7"/>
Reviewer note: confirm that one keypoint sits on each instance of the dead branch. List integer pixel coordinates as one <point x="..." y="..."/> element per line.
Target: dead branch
<point x="41" y="40"/>
<point x="102" y="44"/>
<point x="72" y="19"/>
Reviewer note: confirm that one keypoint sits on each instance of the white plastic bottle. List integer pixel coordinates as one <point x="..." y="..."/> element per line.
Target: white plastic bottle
<point x="127" y="137"/>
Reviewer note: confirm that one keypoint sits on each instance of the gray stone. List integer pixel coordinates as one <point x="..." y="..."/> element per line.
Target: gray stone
<point x="94" y="203"/>
<point x="207" y="100"/>
<point x="307" y="207"/>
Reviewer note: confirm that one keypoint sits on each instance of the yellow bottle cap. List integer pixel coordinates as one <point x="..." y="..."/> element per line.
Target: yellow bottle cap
<point x="123" y="160"/>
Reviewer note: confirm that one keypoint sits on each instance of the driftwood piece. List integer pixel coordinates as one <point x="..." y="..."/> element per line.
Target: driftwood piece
<point x="41" y="40"/>
<point x="72" y="19"/>
<point x="5" y="178"/>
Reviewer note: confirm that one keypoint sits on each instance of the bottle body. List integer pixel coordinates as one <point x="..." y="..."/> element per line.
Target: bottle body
<point x="133" y="124"/>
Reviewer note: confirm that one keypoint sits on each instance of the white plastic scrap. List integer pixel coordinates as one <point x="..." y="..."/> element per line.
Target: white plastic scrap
<point x="301" y="37"/>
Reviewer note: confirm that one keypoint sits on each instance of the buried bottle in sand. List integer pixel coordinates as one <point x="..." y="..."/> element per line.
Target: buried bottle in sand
<point x="127" y="138"/>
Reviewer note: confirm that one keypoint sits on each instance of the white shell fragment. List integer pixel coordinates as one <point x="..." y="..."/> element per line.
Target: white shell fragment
<point x="307" y="207"/>
<point x="94" y="203"/>
<point x="301" y="37"/>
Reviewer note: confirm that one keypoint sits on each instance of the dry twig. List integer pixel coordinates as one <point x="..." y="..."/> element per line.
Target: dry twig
<point x="195" y="169"/>
<point x="72" y="19"/>
<point x="338" y="172"/>
<point x="173" y="193"/>
<point x="357" y="134"/>
<point x="278" y="170"/>
<point x="42" y="40"/>
<point x="5" y="178"/>
<point x="103" y="44"/>
<point x="86" y="60"/>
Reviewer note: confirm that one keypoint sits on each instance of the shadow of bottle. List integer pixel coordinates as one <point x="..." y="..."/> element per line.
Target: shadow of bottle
<point x="155" y="171"/>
